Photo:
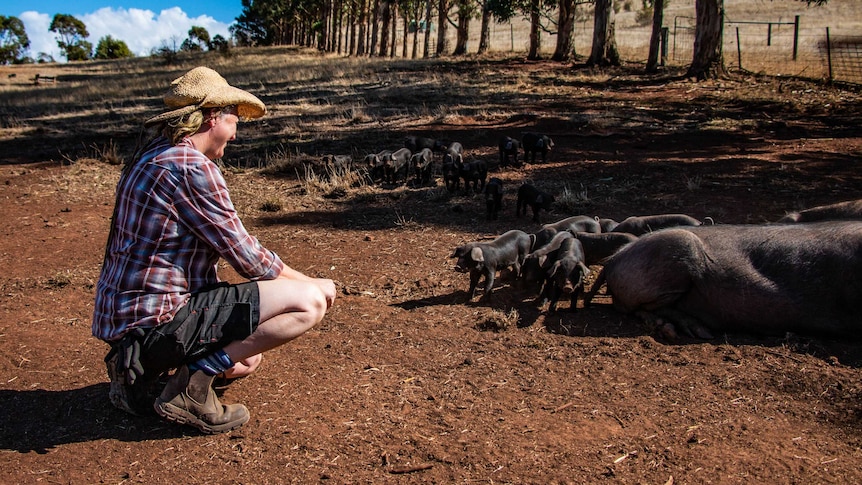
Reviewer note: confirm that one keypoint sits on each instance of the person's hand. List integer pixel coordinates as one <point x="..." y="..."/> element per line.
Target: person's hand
<point x="327" y="286"/>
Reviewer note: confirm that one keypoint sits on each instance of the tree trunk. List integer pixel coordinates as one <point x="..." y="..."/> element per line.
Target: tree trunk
<point x="351" y="28"/>
<point x="604" y="52"/>
<point x="360" y="34"/>
<point x="485" y="30"/>
<point x="415" y="30"/>
<point x="385" y="22"/>
<point x="338" y="33"/>
<point x="708" y="61"/>
<point x="565" y="31"/>
<point x="655" y="38"/>
<point x="535" y="37"/>
<point x="372" y="46"/>
<point x="404" y="39"/>
<point x="465" y="11"/>
<point x="442" y="27"/>
<point x="322" y="32"/>
<point x="394" y="16"/>
<point x="427" y="40"/>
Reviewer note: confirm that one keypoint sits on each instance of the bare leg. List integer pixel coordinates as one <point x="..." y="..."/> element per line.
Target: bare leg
<point x="244" y="367"/>
<point x="288" y="309"/>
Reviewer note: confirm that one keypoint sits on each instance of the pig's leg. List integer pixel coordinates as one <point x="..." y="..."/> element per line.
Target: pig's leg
<point x="474" y="282"/>
<point x="489" y="280"/>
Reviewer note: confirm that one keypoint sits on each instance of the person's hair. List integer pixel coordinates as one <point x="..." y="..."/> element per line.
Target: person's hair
<point x="178" y="128"/>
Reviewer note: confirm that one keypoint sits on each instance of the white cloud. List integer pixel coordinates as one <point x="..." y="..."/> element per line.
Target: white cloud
<point x="141" y="30"/>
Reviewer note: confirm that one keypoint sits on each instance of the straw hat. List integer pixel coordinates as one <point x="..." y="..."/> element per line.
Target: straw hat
<point x="204" y="88"/>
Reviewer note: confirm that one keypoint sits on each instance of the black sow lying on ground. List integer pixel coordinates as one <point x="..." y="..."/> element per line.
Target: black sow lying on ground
<point x="771" y="279"/>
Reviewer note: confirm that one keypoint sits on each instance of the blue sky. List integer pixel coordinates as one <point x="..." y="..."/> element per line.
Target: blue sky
<point x="142" y="25"/>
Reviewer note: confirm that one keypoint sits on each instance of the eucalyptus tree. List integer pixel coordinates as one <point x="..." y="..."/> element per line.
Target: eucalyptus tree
<point x="485" y="28"/>
<point x="13" y="40"/>
<point x="362" y="20"/>
<point x="427" y="40"/>
<point x="567" y="14"/>
<point x="467" y="10"/>
<point x="604" y="50"/>
<point x="260" y="23"/>
<point x="385" y="24"/>
<point x="442" y="27"/>
<point x="411" y="11"/>
<point x="375" y="29"/>
<point x="198" y="40"/>
<point x="534" y="10"/>
<point x="110" y="48"/>
<point x="708" y="59"/>
<point x="71" y="34"/>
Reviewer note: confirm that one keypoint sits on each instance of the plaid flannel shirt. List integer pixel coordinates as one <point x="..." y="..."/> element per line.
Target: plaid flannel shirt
<point x="174" y="220"/>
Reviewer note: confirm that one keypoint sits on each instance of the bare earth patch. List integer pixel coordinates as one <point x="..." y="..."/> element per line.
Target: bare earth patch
<point x="404" y="382"/>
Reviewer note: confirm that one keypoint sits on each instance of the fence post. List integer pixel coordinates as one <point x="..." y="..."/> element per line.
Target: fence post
<point x="664" y="35"/>
<point x="829" y="54"/>
<point x="795" y="37"/>
<point x="769" y="34"/>
<point x="738" y="49"/>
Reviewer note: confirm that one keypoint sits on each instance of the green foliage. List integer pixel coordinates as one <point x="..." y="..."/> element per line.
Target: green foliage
<point x="262" y="22"/>
<point x="110" y="48"/>
<point x="81" y="51"/>
<point x="220" y="44"/>
<point x="13" y="40"/>
<point x="71" y="34"/>
<point x="199" y="34"/>
<point x="505" y="10"/>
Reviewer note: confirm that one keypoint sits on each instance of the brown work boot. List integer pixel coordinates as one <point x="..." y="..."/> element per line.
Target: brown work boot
<point x="189" y="398"/>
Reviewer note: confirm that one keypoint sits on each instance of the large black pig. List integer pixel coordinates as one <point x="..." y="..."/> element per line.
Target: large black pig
<point x="765" y="279"/>
<point x="851" y="209"/>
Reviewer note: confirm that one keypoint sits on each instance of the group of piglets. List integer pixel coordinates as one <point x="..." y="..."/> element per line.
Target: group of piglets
<point x="798" y="274"/>
<point x="555" y="260"/>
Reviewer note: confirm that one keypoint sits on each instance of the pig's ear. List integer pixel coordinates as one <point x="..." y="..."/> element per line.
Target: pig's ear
<point x="553" y="271"/>
<point x="584" y="269"/>
<point x="477" y="255"/>
<point x="542" y="259"/>
<point x="539" y="199"/>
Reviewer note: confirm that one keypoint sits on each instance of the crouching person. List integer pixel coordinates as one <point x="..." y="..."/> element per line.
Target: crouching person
<point x="172" y="325"/>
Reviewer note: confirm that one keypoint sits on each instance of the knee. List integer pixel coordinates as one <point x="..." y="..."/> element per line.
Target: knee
<point x="312" y="306"/>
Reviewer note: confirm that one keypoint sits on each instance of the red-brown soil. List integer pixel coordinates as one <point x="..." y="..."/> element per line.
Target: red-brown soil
<point x="405" y="383"/>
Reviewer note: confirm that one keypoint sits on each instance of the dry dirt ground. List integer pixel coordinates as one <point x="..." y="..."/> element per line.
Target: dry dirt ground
<point x="404" y="382"/>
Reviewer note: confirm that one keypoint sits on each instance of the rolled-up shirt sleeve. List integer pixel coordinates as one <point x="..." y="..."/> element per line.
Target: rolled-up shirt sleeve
<point x="205" y="207"/>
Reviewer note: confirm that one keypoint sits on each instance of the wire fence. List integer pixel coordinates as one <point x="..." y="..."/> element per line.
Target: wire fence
<point x="781" y="47"/>
<point x="778" y="48"/>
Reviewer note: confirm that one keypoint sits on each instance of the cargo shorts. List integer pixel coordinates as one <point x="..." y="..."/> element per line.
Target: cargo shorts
<point x="211" y="319"/>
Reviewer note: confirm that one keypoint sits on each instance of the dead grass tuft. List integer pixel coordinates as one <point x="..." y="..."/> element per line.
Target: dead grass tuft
<point x="498" y="320"/>
<point x="573" y="201"/>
